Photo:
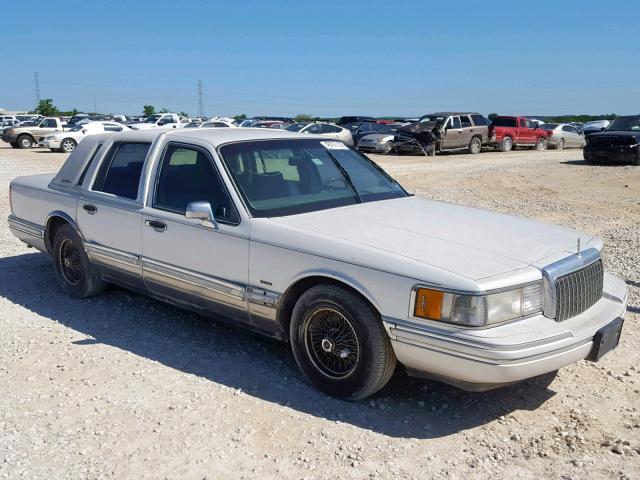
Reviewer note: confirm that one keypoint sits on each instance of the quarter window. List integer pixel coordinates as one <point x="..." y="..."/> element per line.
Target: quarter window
<point x="120" y="172"/>
<point x="188" y="175"/>
<point x="479" y="120"/>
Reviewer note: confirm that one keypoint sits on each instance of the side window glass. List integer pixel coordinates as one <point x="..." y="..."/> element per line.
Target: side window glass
<point x="465" y="121"/>
<point x="315" y="128"/>
<point x="187" y="175"/>
<point x="454" y="122"/>
<point x="120" y="172"/>
<point x="523" y="123"/>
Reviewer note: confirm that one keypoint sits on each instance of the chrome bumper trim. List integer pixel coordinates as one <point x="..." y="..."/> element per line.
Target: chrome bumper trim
<point x="26" y="227"/>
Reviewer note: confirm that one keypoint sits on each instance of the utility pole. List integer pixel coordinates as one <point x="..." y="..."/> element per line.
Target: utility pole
<point x="37" y="89"/>
<point x="200" y="107"/>
<point x="95" y="108"/>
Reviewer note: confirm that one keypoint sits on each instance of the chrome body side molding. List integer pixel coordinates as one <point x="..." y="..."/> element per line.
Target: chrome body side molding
<point x="28" y="232"/>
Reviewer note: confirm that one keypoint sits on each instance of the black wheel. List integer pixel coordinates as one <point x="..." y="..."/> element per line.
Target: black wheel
<point x="74" y="273"/>
<point x="14" y="144"/>
<point x="67" y="145"/>
<point x="388" y="148"/>
<point x="506" y="145"/>
<point x="589" y="158"/>
<point x="636" y="160"/>
<point x="475" y="145"/>
<point x="340" y="344"/>
<point x="541" y="144"/>
<point x="25" y="141"/>
<point x="560" y="144"/>
<point x="432" y="152"/>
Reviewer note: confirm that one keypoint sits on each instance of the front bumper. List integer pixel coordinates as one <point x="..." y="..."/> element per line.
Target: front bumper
<point x="51" y="144"/>
<point x="491" y="357"/>
<point x="372" y="147"/>
<point x="623" y="153"/>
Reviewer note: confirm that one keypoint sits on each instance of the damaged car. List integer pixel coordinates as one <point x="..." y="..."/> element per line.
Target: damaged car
<point x="445" y="132"/>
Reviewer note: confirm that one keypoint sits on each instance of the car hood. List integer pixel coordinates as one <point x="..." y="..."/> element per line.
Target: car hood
<point x="617" y="133"/>
<point x="143" y="126"/>
<point x="471" y="242"/>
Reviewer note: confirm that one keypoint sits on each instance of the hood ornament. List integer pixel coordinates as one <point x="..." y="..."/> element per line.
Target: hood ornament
<point x="578" y="247"/>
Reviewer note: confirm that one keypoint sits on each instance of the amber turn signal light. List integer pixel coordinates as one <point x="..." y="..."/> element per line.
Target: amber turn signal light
<point x="428" y="304"/>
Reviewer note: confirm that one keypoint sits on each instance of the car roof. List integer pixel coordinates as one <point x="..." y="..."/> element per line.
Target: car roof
<point x="215" y="136"/>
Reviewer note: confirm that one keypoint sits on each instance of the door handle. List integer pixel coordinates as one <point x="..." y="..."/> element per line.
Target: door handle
<point x="90" y="209"/>
<point x="156" y="225"/>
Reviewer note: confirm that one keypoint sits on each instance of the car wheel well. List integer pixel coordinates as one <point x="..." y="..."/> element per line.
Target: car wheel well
<point x="53" y="224"/>
<point x="295" y="291"/>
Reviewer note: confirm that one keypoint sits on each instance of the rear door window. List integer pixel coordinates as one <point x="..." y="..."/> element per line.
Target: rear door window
<point x="479" y="120"/>
<point x="120" y="172"/>
<point x="466" y="121"/>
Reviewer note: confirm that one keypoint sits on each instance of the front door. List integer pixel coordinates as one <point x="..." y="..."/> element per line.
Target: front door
<point x="452" y="134"/>
<point x="188" y="261"/>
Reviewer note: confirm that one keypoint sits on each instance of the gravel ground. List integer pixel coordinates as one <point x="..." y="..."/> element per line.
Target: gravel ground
<point x="121" y="386"/>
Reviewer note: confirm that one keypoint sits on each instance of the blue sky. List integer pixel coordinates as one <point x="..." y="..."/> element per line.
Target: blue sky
<point x="324" y="57"/>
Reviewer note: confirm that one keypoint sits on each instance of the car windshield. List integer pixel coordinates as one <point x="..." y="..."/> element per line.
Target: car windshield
<point x="287" y="177"/>
<point x="192" y="125"/>
<point x="431" y="118"/>
<point x="625" y="124"/>
<point x="388" y="129"/>
<point x="296" y="127"/>
<point x="549" y="126"/>
<point x="152" y="118"/>
<point x="77" y="128"/>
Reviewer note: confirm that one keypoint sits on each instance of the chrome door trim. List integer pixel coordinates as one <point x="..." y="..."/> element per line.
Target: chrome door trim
<point x="111" y="256"/>
<point x="563" y="267"/>
<point x="173" y="275"/>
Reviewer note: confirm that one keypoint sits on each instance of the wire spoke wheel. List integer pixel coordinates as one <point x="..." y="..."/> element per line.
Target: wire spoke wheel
<point x="70" y="262"/>
<point x="331" y="343"/>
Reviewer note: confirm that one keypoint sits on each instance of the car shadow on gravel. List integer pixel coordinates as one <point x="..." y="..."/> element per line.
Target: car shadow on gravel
<point x="407" y="407"/>
<point x="584" y="163"/>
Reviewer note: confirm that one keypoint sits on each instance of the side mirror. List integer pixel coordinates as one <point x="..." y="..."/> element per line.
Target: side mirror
<point x="603" y="129"/>
<point x="202" y="211"/>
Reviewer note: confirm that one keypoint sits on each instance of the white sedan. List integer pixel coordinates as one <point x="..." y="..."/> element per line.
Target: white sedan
<point x="324" y="129"/>
<point x="68" y="140"/>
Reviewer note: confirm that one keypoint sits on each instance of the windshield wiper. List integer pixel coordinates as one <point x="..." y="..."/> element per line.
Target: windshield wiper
<point x="346" y="175"/>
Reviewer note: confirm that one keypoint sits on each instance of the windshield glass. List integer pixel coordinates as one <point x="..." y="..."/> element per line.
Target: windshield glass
<point x="389" y="129"/>
<point x="77" y="128"/>
<point x="192" y="125"/>
<point x="431" y="118"/>
<point x="152" y="118"/>
<point x="286" y="177"/>
<point x="625" y="124"/>
<point x="549" y="126"/>
<point x="296" y="127"/>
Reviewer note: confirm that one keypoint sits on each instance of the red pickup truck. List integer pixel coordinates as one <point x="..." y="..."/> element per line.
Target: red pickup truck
<point x="507" y="133"/>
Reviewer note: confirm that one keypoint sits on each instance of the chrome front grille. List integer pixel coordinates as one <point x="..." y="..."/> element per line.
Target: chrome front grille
<point x="579" y="290"/>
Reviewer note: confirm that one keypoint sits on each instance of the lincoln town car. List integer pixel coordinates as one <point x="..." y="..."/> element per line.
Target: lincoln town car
<point x="305" y="239"/>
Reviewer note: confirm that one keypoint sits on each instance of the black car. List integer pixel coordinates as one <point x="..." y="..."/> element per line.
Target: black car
<point x="620" y="142"/>
<point x="365" y="128"/>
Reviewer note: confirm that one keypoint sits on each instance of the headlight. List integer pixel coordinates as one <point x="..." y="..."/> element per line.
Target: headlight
<point x="478" y="310"/>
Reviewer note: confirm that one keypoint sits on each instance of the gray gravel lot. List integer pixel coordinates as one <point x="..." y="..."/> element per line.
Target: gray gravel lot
<point x="121" y="386"/>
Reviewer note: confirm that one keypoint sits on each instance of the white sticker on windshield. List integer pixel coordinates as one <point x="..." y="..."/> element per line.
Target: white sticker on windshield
<point x="334" y="146"/>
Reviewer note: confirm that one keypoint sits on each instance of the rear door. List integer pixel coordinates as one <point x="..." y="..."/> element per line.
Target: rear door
<point x="109" y="214"/>
<point x="467" y="130"/>
<point x="524" y="133"/>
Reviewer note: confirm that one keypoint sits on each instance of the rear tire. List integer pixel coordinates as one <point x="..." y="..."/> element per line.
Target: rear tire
<point x="541" y="144"/>
<point x="475" y="146"/>
<point x="340" y="344"/>
<point x="74" y="272"/>
<point x="589" y="158"/>
<point x="637" y="159"/>
<point x="506" y="145"/>
<point x="25" y="141"/>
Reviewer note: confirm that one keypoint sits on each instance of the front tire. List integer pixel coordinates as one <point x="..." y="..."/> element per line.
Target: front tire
<point x="74" y="272"/>
<point x="560" y="144"/>
<point x="25" y="141"/>
<point x="340" y="344"/>
<point x="541" y="144"/>
<point x="14" y="144"/>
<point x="68" y="145"/>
